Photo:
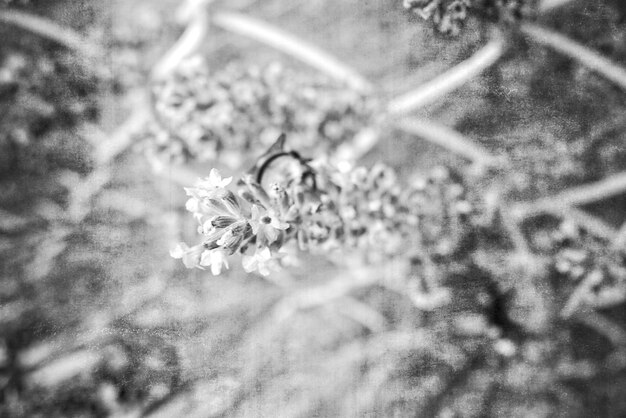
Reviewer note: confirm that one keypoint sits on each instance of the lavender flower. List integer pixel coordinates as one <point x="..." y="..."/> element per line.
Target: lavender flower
<point x="203" y="115"/>
<point x="360" y="211"/>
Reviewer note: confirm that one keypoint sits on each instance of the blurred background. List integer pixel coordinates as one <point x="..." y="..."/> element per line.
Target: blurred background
<point x="96" y="319"/>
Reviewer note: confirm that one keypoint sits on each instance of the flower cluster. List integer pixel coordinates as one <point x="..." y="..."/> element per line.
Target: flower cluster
<point x="582" y="260"/>
<point x="323" y="209"/>
<point x="448" y="16"/>
<point x="202" y="114"/>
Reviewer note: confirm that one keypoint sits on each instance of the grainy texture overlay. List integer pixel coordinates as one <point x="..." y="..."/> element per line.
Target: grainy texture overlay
<point x="332" y="208"/>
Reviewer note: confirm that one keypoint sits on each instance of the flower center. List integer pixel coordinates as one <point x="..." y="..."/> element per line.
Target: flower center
<point x="266" y="220"/>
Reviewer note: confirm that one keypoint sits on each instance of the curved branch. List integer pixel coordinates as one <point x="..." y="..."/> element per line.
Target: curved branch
<point x="50" y="30"/>
<point x="289" y="44"/>
<point x="189" y="42"/>
<point x="582" y="195"/>
<point x="449" y="81"/>
<point x="450" y="139"/>
<point x="549" y="5"/>
<point x="585" y="56"/>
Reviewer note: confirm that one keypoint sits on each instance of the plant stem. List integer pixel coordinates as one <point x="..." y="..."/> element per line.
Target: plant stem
<point x="549" y="5"/>
<point x="50" y="30"/>
<point x="576" y="196"/>
<point x="604" y="326"/>
<point x="589" y="222"/>
<point x="189" y="42"/>
<point x="291" y="45"/>
<point x="576" y="51"/>
<point x="450" y="139"/>
<point x="449" y="81"/>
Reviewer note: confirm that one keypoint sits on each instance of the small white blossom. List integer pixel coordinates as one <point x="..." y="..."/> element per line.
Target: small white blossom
<point x="214" y="181"/>
<point x="266" y="224"/>
<point x="216" y="259"/>
<point x="189" y="255"/>
<point x="260" y="261"/>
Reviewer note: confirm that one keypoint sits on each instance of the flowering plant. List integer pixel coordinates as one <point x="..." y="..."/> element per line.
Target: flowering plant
<point x="448" y="16"/>
<point x="201" y="115"/>
<point x="321" y="208"/>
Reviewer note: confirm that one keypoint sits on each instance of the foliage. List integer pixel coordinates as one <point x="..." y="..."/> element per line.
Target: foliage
<point x="401" y="293"/>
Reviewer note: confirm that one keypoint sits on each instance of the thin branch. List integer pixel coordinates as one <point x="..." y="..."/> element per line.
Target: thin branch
<point x="361" y="313"/>
<point x="578" y="297"/>
<point x="449" y="81"/>
<point x="591" y="223"/>
<point x="289" y="44"/>
<point x="582" y="195"/>
<point x="585" y="56"/>
<point x="362" y="143"/>
<point x="109" y="146"/>
<point x="604" y="326"/>
<point x="450" y="139"/>
<point x="50" y="30"/>
<point x="510" y="222"/>
<point x="549" y="5"/>
<point x="188" y="43"/>
<point x="315" y="296"/>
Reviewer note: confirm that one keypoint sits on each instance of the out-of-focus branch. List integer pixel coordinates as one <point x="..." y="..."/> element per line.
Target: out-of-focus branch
<point x="603" y="326"/>
<point x="589" y="222"/>
<point x="548" y="5"/>
<point x="50" y="30"/>
<point x="585" y="56"/>
<point x="576" y="196"/>
<point x="334" y="289"/>
<point x="289" y="44"/>
<point x="190" y="41"/>
<point x="449" y="81"/>
<point x="450" y="139"/>
<point x="361" y="313"/>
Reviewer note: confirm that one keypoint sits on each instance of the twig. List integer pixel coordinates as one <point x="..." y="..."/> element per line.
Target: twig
<point x="589" y="222"/>
<point x="578" y="296"/>
<point x="109" y="146"/>
<point x="604" y="326"/>
<point x="189" y="9"/>
<point x="585" y="56"/>
<point x="548" y="5"/>
<point x="450" y="139"/>
<point x="289" y="44"/>
<point x="449" y="81"/>
<point x="189" y="43"/>
<point x="50" y="30"/>
<point x="312" y="297"/>
<point x="510" y="222"/>
<point x="582" y="195"/>
<point x="362" y="143"/>
<point x="361" y="313"/>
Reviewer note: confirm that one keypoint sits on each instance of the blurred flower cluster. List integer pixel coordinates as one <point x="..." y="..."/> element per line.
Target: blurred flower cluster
<point x="448" y="16"/>
<point x="202" y="114"/>
<point x="593" y="265"/>
<point x="327" y="210"/>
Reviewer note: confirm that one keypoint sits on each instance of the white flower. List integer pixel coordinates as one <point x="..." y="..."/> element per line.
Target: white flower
<point x="214" y="181"/>
<point x="190" y="256"/>
<point x="266" y="225"/>
<point x="260" y="261"/>
<point x="216" y="259"/>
